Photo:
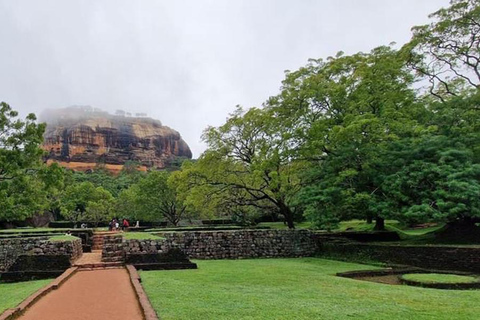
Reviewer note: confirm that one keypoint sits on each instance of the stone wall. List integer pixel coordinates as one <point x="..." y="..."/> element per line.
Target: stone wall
<point x="11" y="249"/>
<point x="236" y="244"/>
<point x="459" y="258"/>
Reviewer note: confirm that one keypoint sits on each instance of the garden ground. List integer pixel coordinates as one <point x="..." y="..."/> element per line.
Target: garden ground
<point x="295" y="289"/>
<point x="11" y="294"/>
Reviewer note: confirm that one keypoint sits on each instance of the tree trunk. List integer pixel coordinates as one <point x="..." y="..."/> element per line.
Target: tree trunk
<point x="369" y="220"/>
<point x="287" y="214"/>
<point x="379" y="224"/>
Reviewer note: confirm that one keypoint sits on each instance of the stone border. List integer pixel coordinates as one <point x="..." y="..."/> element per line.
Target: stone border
<point x="409" y="270"/>
<point x="429" y="257"/>
<point x="14" y="313"/>
<point x="440" y="285"/>
<point x="378" y="272"/>
<point x="145" y="305"/>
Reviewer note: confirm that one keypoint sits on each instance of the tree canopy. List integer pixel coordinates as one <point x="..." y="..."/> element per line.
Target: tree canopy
<point x="25" y="182"/>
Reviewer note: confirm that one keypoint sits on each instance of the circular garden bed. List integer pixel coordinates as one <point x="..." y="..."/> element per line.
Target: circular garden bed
<point x="441" y="280"/>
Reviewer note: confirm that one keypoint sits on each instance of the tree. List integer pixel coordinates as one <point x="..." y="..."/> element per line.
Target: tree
<point x="100" y="210"/>
<point x="342" y="113"/>
<point x="84" y="201"/>
<point x="247" y="164"/>
<point x="127" y="204"/>
<point x="436" y="180"/>
<point x="447" y="51"/>
<point x="151" y="199"/>
<point x="114" y="184"/>
<point x="25" y="182"/>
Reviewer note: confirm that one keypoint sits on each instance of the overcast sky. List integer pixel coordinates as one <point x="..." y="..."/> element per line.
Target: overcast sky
<point x="186" y="63"/>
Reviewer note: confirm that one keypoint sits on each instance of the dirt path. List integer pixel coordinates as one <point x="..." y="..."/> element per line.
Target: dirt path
<point x="93" y="295"/>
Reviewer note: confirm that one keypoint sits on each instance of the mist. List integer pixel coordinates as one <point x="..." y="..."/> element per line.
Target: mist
<point x="185" y="63"/>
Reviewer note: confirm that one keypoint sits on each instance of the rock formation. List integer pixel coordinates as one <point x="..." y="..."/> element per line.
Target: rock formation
<point x="82" y="137"/>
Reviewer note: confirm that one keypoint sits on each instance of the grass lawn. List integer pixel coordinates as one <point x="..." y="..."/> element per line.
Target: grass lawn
<point x="282" y="226"/>
<point x="295" y="289"/>
<point x="33" y="230"/>
<point x="11" y="294"/>
<point x="140" y="236"/>
<point x="62" y="238"/>
<point x="439" y="278"/>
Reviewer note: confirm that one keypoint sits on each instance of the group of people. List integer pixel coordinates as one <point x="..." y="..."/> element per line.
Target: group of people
<point x="114" y="224"/>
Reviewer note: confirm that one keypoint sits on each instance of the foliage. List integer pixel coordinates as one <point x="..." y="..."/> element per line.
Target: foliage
<point x="447" y="51"/>
<point x="110" y="182"/>
<point x="436" y="180"/>
<point x="351" y="137"/>
<point x="151" y="199"/>
<point x="84" y="201"/>
<point x="247" y="164"/>
<point x="344" y="112"/>
<point x="25" y="183"/>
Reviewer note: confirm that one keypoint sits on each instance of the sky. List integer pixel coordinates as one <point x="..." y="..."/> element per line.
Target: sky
<point x="186" y="63"/>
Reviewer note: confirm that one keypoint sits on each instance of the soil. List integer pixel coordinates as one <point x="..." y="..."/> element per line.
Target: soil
<point x="94" y="295"/>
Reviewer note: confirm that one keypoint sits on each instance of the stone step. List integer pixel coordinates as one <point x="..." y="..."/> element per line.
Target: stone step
<point x="101" y="265"/>
<point x="113" y="259"/>
<point x="113" y="254"/>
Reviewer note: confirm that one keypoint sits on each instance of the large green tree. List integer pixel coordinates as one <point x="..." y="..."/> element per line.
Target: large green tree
<point x="247" y="164"/>
<point x="153" y="198"/>
<point x="343" y="113"/>
<point x="84" y="201"/>
<point x="25" y="182"/>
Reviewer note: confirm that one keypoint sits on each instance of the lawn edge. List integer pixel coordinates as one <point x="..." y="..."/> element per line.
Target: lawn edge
<point x="145" y="305"/>
<point x="14" y="313"/>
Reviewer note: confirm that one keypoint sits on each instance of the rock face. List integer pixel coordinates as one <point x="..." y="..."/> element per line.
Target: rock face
<point x="82" y="137"/>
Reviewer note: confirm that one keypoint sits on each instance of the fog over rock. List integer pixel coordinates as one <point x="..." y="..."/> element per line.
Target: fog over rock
<point x="80" y="137"/>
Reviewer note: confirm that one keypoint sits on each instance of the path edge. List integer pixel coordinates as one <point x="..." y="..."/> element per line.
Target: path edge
<point x="14" y="313"/>
<point x="145" y="305"/>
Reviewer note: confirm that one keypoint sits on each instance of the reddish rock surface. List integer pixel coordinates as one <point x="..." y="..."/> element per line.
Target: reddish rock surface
<point x="80" y="137"/>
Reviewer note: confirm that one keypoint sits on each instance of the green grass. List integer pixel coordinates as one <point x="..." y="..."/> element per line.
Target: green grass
<point x="295" y="289"/>
<point x="359" y="226"/>
<point x="197" y="228"/>
<point x="33" y="230"/>
<point x="439" y="278"/>
<point x="282" y="226"/>
<point x="11" y="294"/>
<point x="140" y="236"/>
<point x="62" y="238"/>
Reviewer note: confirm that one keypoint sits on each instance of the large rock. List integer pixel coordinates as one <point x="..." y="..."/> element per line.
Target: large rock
<point x="82" y="137"/>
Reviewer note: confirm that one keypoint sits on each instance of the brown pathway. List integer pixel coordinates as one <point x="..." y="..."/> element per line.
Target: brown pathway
<point x="93" y="257"/>
<point x="89" y="295"/>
